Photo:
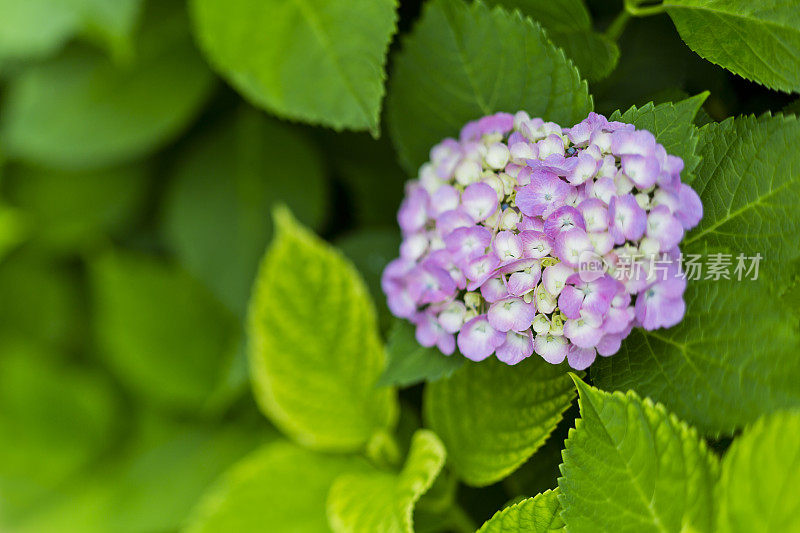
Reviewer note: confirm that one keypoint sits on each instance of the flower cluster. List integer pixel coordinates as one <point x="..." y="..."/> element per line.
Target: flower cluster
<point x="523" y="236"/>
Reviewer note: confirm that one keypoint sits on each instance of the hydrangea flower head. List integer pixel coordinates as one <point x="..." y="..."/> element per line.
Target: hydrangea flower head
<point x="524" y="237"/>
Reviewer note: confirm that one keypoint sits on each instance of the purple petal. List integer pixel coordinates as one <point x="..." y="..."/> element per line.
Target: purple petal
<point x="467" y="243"/>
<point x="413" y="213"/>
<point x="535" y="244"/>
<point x="585" y="169"/>
<point x="448" y="221"/>
<point x="414" y="246"/>
<point x="571" y="245"/>
<point x="444" y="199"/>
<point x="479" y="201"/>
<point x="507" y="246"/>
<point x="543" y="192"/>
<point x="581" y="358"/>
<point x="428" y="284"/>
<point x="480" y="269"/>
<point x="618" y="319"/>
<point x="628" y="220"/>
<point x="551" y="348"/>
<point x="555" y="278"/>
<point x="550" y="145"/>
<point x="643" y="171"/>
<point x="691" y="208"/>
<point x="603" y="189"/>
<point x="664" y="227"/>
<point x="521" y="283"/>
<point x="609" y="344"/>
<point x="570" y="300"/>
<point x="530" y="224"/>
<point x="477" y="339"/>
<point x="582" y="332"/>
<point x="511" y="314"/>
<point x="595" y="214"/>
<point x="493" y="290"/>
<point x="639" y="142"/>
<point x="563" y="219"/>
<point x="518" y="346"/>
<point x="400" y="303"/>
<point x="451" y="318"/>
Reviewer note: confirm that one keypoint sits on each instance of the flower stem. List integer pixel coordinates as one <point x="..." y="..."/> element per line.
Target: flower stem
<point x="634" y="8"/>
<point x="618" y="25"/>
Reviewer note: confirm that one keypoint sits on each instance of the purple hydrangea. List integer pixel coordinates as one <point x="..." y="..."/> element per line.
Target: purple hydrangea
<point x="523" y="236"/>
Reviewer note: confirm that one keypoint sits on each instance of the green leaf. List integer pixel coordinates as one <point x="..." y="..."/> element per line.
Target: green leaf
<point x="224" y="182"/>
<point x="629" y="465"/>
<point x="57" y="419"/>
<point x="534" y="515"/>
<point x="315" y="352"/>
<point x="112" y="24"/>
<point x="34" y="29"/>
<point x="71" y="211"/>
<point x="269" y="50"/>
<point x="492" y="416"/>
<point x="41" y="303"/>
<point x="280" y="487"/>
<point x="748" y="183"/>
<point x="152" y="484"/>
<point x="13" y="228"/>
<point x="462" y="62"/>
<point x="792" y="107"/>
<point x="541" y="471"/>
<point x="672" y="125"/>
<point x="728" y="362"/>
<point x="162" y="332"/>
<point x="411" y="363"/>
<point x="569" y="25"/>
<point x="81" y="110"/>
<point x="756" y="39"/>
<point x="384" y="501"/>
<point x="755" y="492"/>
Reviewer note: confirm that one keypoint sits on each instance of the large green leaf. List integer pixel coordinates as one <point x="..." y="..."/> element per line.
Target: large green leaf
<point x="269" y="50"/>
<point x="630" y="466"/>
<point x="532" y="515"/>
<point x="759" y="471"/>
<point x="672" y="124"/>
<point x="162" y="332"/>
<point x="569" y="25"/>
<point x="81" y="110"/>
<point x="56" y="419"/>
<point x="316" y="354"/>
<point x="35" y="28"/>
<point x="748" y="182"/>
<point x="492" y="416"/>
<point x="152" y="484"/>
<point x="732" y="358"/>
<point x="384" y="501"/>
<point x="756" y="39"/>
<point x="280" y="487"/>
<point x="462" y="62"/>
<point x="69" y="211"/>
<point x="411" y="363"/>
<point x="224" y="184"/>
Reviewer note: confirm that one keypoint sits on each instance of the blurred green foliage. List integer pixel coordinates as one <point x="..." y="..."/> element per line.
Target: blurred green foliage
<point x="135" y="190"/>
